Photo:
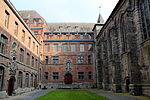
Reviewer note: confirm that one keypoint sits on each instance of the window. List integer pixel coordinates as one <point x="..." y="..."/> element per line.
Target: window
<point x="16" y="29"/>
<point x="19" y="80"/>
<point x="145" y="15"/>
<point x="28" y="59"/>
<point x="31" y="81"/>
<point x="47" y="36"/>
<point x="55" y="59"/>
<point x="80" y="59"/>
<point x="90" y="75"/>
<point x="81" y="47"/>
<point x="36" y="32"/>
<point x="33" y="46"/>
<point x="21" y="55"/>
<point x="56" y="36"/>
<point x="6" y="21"/>
<point x="90" y="47"/>
<point x="64" y="48"/>
<point x="90" y="59"/>
<point x="46" y="75"/>
<point x="3" y="44"/>
<point x="27" y="80"/>
<point x="55" y="47"/>
<point x="64" y="36"/>
<point x="29" y="42"/>
<point x="47" y="47"/>
<point x="55" y="75"/>
<point x="37" y="49"/>
<point x="36" y="63"/>
<point x="73" y="37"/>
<point x="32" y="61"/>
<point x="81" y="75"/>
<point x="36" y="22"/>
<point x="1" y="77"/>
<point x="46" y="60"/>
<point x="73" y="48"/>
<point x="23" y="36"/>
<point x="90" y="37"/>
<point x="81" y="36"/>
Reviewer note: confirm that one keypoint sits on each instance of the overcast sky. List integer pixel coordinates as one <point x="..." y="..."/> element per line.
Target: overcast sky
<point x="68" y="10"/>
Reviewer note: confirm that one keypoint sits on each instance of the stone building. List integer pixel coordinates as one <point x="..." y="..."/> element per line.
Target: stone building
<point x="123" y="49"/>
<point x="19" y="53"/>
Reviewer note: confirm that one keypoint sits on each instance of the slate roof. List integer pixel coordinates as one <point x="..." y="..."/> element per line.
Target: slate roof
<point x="30" y="14"/>
<point x="70" y="27"/>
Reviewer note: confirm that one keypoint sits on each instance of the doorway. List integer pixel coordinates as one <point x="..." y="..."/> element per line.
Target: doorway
<point x="11" y="82"/>
<point x="68" y="78"/>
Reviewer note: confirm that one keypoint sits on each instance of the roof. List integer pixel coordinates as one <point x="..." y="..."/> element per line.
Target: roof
<point x="70" y="27"/>
<point x="30" y="14"/>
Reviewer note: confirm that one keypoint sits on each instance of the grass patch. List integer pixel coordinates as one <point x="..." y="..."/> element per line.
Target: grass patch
<point x="71" y="95"/>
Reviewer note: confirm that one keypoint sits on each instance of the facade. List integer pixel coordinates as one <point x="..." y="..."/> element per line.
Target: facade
<point x="19" y="53"/>
<point x="123" y="49"/>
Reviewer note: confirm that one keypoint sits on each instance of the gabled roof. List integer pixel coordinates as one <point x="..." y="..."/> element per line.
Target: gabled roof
<point x="30" y="14"/>
<point x="70" y="27"/>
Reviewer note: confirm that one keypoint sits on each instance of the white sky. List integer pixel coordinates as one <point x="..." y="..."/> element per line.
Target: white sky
<point x="68" y="10"/>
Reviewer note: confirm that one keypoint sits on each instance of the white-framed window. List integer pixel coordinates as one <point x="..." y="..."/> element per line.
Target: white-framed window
<point x="81" y="47"/>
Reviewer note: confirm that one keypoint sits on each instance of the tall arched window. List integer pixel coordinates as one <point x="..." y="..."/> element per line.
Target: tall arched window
<point x="123" y="34"/>
<point x="19" y="82"/>
<point x="1" y="77"/>
<point x="145" y="16"/>
<point x="27" y="80"/>
<point x="3" y="44"/>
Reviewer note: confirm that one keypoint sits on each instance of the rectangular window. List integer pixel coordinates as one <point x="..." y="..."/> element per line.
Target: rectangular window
<point x="1" y="77"/>
<point x="28" y="59"/>
<point x="19" y="80"/>
<point x="47" y="36"/>
<point x="46" y="75"/>
<point x="55" y="47"/>
<point x="36" y="32"/>
<point x="81" y="75"/>
<point x="81" y="47"/>
<point x="16" y="29"/>
<point x="23" y="36"/>
<point x="3" y="44"/>
<point x="90" y="47"/>
<point x="36" y="23"/>
<point x="73" y="48"/>
<point x="31" y="81"/>
<point x="90" y="75"/>
<point x="46" y="60"/>
<point x="6" y="19"/>
<point x="29" y="42"/>
<point x="90" y="59"/>
<point x="73" y="37"/>
<point x="81" y="36"/>
<point x="37" y="49"/>
<point x="80" y="59"/>
<point x="55" y="59"/>
<point x="21" y="55"/>
<point x="32" y="61"/>
<point x="64" y="36"/>
<point x="64" y="48"/>
<point x="33" y="46"/>
<point x="55" y="75"/>
<point x="55" y="36"/>
<point x="47" y="48"/>
<point x="36" y="63"/>
<point x="27" y="80"/>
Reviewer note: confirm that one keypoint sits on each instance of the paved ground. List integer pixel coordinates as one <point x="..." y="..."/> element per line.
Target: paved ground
<point x="28" y="96"/>
<point x="112" y="96"/>
<point x="35" y="94"/>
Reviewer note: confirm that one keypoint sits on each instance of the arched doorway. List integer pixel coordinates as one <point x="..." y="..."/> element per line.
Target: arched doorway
<point x="68" y="78"/>
<point x="11" y="82"/>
